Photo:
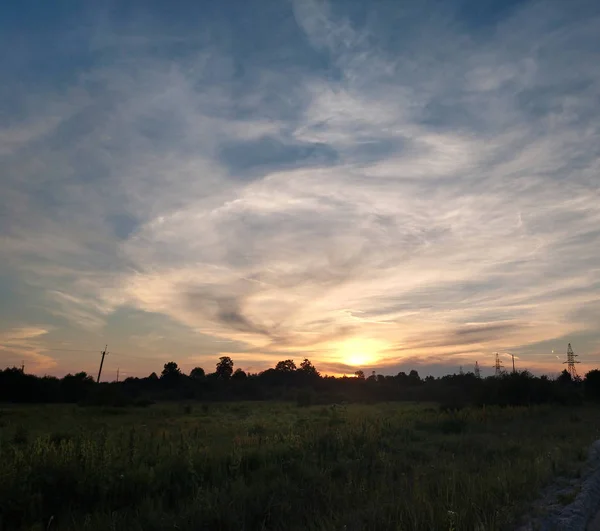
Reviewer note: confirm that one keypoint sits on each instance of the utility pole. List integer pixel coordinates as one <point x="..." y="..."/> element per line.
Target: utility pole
<point x="513" y="358"/>
<point x="104" y="353"/>
<point x="23" y="366"/>
<point x="117" y="375"/>
<point x="498" y="365"/>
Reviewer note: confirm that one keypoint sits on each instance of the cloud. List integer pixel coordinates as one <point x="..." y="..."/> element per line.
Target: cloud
<point x="435" y="188"/>
<point x="22" y="345"/>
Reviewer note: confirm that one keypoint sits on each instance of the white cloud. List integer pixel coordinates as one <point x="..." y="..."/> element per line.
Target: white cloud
<point x="465" y="189"/>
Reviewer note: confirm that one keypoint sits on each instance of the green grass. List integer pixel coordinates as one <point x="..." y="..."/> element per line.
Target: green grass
<point x="247" y="466"/>
<point x="566" y="498"/>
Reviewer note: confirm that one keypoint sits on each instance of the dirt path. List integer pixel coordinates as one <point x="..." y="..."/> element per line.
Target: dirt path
<point x="594" y="524"/>
<point x="569" y="504"/>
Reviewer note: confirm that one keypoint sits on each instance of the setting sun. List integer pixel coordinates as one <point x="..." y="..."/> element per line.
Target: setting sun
<point x="359" y="352"/>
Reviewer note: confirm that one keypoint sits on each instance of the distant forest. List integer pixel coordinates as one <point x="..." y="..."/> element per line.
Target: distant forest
<point x="302" y="384"/>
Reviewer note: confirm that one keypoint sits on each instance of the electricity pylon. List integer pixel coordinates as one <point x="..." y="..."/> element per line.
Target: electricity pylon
<point x="571" y="362"/>
<point x="498" y="366"/>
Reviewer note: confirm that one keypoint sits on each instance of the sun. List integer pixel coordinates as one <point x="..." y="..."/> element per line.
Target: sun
<point x="360" y="352"/>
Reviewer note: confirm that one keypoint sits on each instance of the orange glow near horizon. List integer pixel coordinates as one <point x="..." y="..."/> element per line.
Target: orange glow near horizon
<point x="360" y="352"/>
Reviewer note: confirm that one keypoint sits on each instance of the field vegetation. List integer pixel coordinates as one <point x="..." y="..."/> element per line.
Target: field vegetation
<point x="275" y="465"/>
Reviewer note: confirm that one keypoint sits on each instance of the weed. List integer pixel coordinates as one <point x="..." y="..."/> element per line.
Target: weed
<point x="57" y="438"/>
<point x="21" y="436"/>
<point x="276" y="466"/>
<point x="257" y="429"/>
<point x="567" y="498"/>
<point x="453" y="425"/>
<point x="305" y="398"/>
<point x="143" y="402"/>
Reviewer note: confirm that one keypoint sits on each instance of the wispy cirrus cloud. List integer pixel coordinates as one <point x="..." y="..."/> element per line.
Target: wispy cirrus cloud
<point x="434" y="189"/>
<point x="24" y="346"/>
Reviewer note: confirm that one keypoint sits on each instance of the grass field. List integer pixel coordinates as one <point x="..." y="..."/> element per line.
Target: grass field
<point x="247" y="466"/>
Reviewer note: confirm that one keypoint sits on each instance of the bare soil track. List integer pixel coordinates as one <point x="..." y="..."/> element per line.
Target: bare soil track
<point x="569" y="504"/>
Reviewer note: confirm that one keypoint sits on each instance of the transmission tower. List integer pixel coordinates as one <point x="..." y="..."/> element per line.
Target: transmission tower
<point x="498" y="366"/>
<point x="571" y="362"/>
<point x="477" y="370"/>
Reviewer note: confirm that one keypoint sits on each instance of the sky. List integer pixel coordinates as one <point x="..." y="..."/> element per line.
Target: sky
<point x="372" y="185"/>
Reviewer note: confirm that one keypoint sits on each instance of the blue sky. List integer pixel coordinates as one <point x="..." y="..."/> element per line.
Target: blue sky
<point x="377" y="185"/>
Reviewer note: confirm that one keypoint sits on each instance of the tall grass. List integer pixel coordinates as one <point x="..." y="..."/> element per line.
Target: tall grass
<point x="276" y="466"/>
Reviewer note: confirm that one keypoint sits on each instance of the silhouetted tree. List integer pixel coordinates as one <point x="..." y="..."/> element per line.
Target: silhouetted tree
<point x="197" y="373"/>
<point x="75" y="387"/>
<point x="401" y="378"/>
<point x="306" y="367"/>
<point x="170" y="371"/>
<point x="565" y="377"/>
<point x="592" y="384"/>
<point x="414" y="378"/>
<point x="224" y="367"/>
<point x="239" y="374"/>
<point x="452" y="391"/>
<point x="285" y="366"/>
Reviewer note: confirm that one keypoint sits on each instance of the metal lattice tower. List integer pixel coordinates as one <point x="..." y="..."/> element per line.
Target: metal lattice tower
<point x="571" y="362"/>
<point x="498" y="366"/>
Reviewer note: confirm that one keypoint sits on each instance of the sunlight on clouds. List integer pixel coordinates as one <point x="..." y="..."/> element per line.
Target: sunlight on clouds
<point x="22" y="345"/>
<point x="416" y="197"/>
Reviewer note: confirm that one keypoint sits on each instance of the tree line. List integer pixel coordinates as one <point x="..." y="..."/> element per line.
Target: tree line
<point x="303" y="384"/>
